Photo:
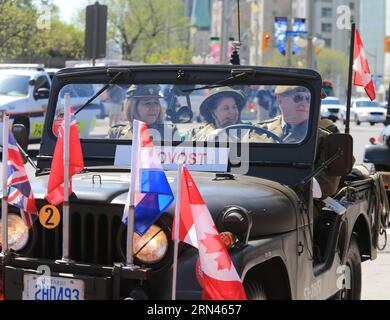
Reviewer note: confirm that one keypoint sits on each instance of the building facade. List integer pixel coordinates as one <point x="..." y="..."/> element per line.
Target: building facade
<point x="374" y="26"/>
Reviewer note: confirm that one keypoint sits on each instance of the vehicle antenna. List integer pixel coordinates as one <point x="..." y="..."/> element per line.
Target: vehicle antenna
<point x="235" y="57"/>
<point x="350" y="76"/>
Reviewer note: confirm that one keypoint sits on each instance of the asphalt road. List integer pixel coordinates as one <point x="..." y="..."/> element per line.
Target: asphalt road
<point x="375" y="274"/>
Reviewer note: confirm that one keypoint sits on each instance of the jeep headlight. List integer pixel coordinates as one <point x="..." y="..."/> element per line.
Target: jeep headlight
<point x="18" y="232"/>
<point x="152" y="247"/>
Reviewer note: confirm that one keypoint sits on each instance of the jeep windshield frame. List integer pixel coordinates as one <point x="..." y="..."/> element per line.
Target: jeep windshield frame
<point x="289" y="163"/>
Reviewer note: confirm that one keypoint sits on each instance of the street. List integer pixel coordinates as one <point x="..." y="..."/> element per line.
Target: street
<point x="375" y="274"/>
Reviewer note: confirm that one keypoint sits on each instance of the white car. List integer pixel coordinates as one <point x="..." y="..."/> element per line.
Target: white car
<point x="330" y="108"/>
<point x="24" y="93"/>
<point x="365" y="110"/>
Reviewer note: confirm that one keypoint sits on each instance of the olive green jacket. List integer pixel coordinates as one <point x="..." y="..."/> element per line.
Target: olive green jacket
<point x="294" y="135"/>
<point x="329" y="184"/>
<point x="157" y="132"/>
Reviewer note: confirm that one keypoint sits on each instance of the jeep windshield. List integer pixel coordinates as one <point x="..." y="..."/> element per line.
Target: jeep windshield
<point x="192" y="113"/>
<point x="15" y="86"/>
<point x="207" y="116"/>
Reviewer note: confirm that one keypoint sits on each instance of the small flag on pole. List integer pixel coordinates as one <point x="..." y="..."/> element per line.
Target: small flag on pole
<point x="55" y="190"/>
<point x="219" y="278"/>
<point x="362" y="74"/>
<point x="150" y="187"/>
<point x="20" y="193"/>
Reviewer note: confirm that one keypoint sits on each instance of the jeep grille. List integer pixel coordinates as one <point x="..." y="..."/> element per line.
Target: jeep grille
<point x="93" y="236"/>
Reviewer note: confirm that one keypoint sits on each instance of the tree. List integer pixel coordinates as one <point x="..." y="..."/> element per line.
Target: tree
<point x="174" y="56"/>
<point x="144" y="28"/>
<point x="21" y="35"/>
<point x="275" y="59"/>
<point x="333" y="64"/>
<point x="17" y="19"/>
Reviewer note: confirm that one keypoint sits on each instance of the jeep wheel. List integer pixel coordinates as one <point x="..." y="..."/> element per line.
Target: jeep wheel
<point x="354" y="272"/>
<point x="254" y="290"/>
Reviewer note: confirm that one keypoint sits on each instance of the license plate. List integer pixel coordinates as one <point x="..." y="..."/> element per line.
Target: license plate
<point x="52" y="288"/>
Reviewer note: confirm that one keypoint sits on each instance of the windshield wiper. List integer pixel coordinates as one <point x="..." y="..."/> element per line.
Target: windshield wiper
<point x="112" y="81"/>
<point x="236" y="74"/>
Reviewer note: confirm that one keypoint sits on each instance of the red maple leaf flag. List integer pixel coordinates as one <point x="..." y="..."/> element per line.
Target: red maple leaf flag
<point x="362" y="74"/>
<point x="219" y="278"/>
<point x="55" y="190"/>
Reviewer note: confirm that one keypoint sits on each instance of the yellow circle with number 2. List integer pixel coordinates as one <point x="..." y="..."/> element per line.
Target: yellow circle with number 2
<point x="49" y="217"/>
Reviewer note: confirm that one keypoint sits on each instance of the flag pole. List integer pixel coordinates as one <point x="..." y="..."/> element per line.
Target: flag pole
<point x="177" y="231"/>
<point x="65" y="206"/>
<point x="350" y="77"/>
<point x="130" y="202"/>
<point x="4" y="203"/>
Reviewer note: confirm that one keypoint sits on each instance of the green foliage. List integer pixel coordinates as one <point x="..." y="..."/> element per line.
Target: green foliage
<point x="22" y="36"/>
<point x="275" y="59"/>
<point x="333" y="64"/>
<point x="145" y="29"/>
<point x="171" y="56"/>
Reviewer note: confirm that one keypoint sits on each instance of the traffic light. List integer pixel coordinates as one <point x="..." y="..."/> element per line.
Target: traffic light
<point x="95" y="31"/>
<point x="387" y="44"/>
<point x="266" y="41"/>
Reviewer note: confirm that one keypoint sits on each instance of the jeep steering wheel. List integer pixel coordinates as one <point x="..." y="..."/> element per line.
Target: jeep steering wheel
<point x="273" y="136"/>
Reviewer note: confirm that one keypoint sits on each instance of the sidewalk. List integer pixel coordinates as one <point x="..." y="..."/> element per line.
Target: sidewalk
<point x="376" y="276"/>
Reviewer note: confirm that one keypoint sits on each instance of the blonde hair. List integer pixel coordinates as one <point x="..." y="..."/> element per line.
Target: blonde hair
<point x="130" y="109"/>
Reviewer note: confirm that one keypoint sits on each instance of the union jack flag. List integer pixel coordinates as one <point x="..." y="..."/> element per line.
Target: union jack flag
<point x="20" y="193"/>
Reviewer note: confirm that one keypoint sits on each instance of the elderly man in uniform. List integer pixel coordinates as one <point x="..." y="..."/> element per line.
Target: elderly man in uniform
<point x="291" y="126"/>
<point x="143" y="103"/>
<point x="294" y="105"/>
<point x="222" y="108"/>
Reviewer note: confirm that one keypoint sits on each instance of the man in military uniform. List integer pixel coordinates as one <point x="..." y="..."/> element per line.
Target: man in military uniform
<point x="143" y="103"/>
<point x="291" y="127"/>
<point x="222" y="108"/>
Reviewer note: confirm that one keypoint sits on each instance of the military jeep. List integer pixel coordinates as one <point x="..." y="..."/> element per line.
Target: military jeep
<point x="289" y="243"/>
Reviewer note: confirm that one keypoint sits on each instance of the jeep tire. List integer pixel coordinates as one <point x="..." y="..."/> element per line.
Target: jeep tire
<point x="254" y="290"/>
<point x="354" y="264"/>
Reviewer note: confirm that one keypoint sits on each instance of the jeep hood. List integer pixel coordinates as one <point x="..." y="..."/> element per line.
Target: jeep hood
<point x="272" y="206"/>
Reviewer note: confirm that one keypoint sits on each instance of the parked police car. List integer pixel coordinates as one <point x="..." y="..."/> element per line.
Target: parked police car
<point x="261" y="188"/>
<point x="24" y="94"/>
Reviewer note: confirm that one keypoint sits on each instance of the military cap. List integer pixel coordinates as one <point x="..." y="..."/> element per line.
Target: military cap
<point x="144" y="91"/>
<point x="216" y="93"/>
<point x="286" y="89"/>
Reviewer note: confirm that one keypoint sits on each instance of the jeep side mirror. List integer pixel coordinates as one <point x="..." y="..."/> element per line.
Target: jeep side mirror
<point x="339" y="143"/>
<point x="32" y="82"/>
<point x="20" y="133"/>
<point x="42" y="93"/>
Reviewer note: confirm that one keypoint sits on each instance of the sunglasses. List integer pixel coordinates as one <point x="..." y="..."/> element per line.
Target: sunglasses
<point x="299" y="98"/>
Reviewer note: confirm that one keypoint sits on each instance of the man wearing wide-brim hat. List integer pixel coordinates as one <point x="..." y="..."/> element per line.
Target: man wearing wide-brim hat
<point x="222" y="108"/>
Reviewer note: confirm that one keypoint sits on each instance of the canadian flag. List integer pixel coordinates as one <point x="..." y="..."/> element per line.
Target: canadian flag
<point x="361" y="69"/>
<point x="218" y="277"/>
